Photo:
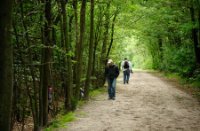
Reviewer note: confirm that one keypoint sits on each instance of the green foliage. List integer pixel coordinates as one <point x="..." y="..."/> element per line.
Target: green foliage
<point x="153" y="34"/>
<point x="180" y="60"/>
<point x="61" y="121"/>
<point x="97" y="92"/>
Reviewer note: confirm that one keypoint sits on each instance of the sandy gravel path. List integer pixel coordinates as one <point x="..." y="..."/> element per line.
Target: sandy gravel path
<point x="147" y="103"/>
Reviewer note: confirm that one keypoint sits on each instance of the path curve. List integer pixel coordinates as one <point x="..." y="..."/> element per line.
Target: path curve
<point x="147" y="103"/>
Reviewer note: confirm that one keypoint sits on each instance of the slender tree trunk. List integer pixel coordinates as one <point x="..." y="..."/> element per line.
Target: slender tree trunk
<point x="46" y="60"/>
<point x="160" y="44"/>
<point x="195" y="36"/>
<point x="97" y="39"/>
<point x="106" y="34"/>
<point x="79" y="49"/>
<point x="69" y="80"/>
<point x="6" y="66"/>
<point x="199" y="21"/>
<point x="70" y="30"/>
<point x="105" y="43"/>
<point x="41" y="78"/>
<point x="76" y="21"/>
<point x="33" y="103"/>
<point x="89" y="71"/>
<point x="112" y="33"/>
<point x="76" y="40"/>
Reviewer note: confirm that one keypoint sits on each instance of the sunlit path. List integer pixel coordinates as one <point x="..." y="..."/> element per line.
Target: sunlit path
<point x="147" y="103"/>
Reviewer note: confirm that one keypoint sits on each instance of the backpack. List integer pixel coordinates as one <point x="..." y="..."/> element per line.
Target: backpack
<point x="126" y="65"/>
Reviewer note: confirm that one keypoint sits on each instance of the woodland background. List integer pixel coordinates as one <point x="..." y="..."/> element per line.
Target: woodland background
<point x="63" y="45"/>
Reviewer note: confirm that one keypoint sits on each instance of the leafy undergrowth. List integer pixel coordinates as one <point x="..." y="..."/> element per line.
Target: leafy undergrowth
<point x="97" y="92"/>
<point x="62" y="119"/>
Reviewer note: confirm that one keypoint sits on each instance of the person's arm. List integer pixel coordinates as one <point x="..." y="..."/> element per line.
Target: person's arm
<point x="130" y="66"/>
<point x="117" y="71"/>
<point x="106" y="72"/>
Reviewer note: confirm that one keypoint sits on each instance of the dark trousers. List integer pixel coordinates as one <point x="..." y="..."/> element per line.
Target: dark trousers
<point x="111" y="87"/>
<point x="126" y="76"/>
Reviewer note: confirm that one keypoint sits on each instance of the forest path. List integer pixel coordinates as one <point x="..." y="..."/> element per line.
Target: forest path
<point x="147" y="103"/>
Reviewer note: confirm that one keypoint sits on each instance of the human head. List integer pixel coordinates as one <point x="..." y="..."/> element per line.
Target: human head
<point x="110" y="62"/>
<point x="125" y="59"/>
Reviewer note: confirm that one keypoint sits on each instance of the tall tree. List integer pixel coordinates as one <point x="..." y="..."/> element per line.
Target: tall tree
<point x="76" y="21"/>
<point x="195" y="35"/>
<point x="45" y="81"/>
<point x="105" y="42"/>
<point x="112" y="32"/>
<point x="33" y="100"/>
<point x="91" y="48"/>
<point x="68" y="77"/>
<point x="6" y="66"/>
<point x="79" y="49"/>
<point x="97" y="37"/>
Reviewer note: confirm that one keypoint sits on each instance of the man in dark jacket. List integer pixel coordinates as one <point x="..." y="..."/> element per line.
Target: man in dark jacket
<point x="111" y="73"/>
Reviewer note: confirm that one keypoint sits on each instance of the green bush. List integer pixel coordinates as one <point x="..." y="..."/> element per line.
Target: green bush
<point x="179" y="60"/>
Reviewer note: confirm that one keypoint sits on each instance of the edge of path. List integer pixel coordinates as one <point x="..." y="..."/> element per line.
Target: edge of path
<point x="177" y="82"/>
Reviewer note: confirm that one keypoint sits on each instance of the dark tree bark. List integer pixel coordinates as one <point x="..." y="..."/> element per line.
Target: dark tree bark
<point x="79" y="49"/>
<point x="160" y="45"/>
<point x="34" y="99"/>
<point x="6" y="66"/>
<point x="74" y="4"/>
<point x="106" y="34"/>
<point x="195" y="36"/>
<point x="97" y="39"/>
<point x="112" y="33"/>
<point x="71" y="18"/>
<point x="68" y="77"/>
<point x="45" y="67"/>
<point x="76" y="21"/>
<point x="105" y="44"/>
<point x="89" y="71"/>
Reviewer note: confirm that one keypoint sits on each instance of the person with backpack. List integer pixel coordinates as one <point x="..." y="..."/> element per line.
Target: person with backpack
<point x="111" y="73"/>
<point x="127" y="69"/>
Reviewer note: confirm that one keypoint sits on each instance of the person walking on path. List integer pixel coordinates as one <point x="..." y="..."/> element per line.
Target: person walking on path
<point x="111" y="73"/>
<point x="126" y="67"/>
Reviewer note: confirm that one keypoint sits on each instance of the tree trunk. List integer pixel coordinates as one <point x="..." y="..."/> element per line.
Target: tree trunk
<point x="199" y="21"/>
<point x="112" y="33"/>
<point x="33" y="103"/>
<point x="79" y="49"/>
<point x="160" y="45"/>
<point x="76" y="21"/>
<point x="76" y="42"/>
<point x="105" y="43"/>
<point x="89" y="71"/>
<point x="195" y="36"/>
<point x="97" y="39"/>
<point x="106" y="34"/>
<point x="70" y="30"/>
<point x="68" y="77"/>
<point x="6" y="66"/>
<point x="46" y="60"/>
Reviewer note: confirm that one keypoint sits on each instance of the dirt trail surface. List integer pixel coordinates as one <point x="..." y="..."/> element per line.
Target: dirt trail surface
<point x="147" y="103"/>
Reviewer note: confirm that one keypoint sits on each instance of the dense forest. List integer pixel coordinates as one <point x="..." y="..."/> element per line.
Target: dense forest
<point x="52" y="50"/>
